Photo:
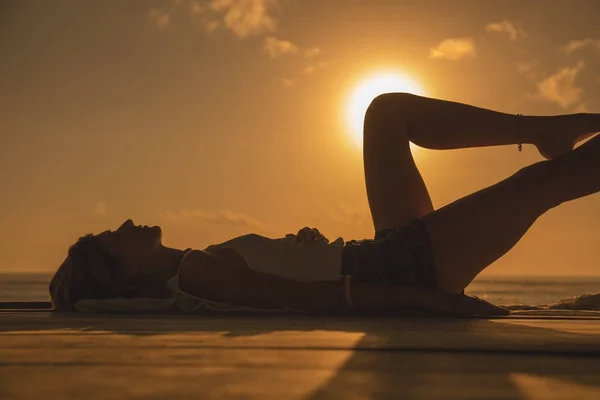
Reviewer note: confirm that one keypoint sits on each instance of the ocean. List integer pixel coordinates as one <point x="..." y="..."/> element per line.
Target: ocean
<point x="497" y="290"/>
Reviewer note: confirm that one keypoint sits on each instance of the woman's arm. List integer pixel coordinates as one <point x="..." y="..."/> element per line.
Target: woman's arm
<point x="230" y="256"/>
<point x="204" y="275"/>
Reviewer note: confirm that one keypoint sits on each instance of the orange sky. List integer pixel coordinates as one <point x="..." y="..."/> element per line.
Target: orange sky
<point x="223" y="117"/>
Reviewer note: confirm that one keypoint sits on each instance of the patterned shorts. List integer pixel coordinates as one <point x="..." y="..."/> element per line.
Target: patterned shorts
<point x="398" y="256"/>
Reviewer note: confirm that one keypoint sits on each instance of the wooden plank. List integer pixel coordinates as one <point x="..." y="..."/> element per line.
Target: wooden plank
<point x="517" y="335"/>
<point x="299" y="374"/>
<point x="46" y="355"/>
<point x="25" y="305"/>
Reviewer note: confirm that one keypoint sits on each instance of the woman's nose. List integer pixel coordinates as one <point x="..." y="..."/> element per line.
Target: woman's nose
<point x="126" y="224"/>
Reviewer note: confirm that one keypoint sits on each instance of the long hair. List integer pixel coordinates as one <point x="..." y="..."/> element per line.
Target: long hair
<point x="91" y="272"/>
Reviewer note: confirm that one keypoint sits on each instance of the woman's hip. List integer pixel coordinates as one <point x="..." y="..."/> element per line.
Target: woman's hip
<point x="398" y="256"/>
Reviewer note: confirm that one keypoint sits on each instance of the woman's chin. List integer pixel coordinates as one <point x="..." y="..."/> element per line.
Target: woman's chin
<point x="157" y="233"/>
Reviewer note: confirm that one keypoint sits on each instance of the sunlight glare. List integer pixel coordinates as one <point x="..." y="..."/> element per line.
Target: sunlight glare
<point x="366" y="91"/>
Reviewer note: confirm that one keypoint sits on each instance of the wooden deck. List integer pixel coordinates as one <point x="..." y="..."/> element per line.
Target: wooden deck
<point x="51" y="356"/>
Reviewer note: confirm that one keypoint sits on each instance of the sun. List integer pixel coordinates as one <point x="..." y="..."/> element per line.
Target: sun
<point x="366" y="91"/>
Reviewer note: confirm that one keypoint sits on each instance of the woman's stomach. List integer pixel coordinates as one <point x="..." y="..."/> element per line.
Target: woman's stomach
<point x="288" y="259"/>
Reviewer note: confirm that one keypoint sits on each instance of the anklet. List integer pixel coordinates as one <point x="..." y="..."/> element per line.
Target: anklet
<point x="519" y="142"/>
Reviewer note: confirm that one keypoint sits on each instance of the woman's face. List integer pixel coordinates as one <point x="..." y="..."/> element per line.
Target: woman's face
<point x="134" y="245"/>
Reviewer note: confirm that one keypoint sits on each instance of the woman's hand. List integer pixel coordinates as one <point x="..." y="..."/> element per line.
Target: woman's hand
<point x="458" y="304"/>
<point x="308" y="235"/>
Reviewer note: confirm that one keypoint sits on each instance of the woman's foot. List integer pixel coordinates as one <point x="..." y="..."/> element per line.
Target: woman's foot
<point x="552" y="145"/>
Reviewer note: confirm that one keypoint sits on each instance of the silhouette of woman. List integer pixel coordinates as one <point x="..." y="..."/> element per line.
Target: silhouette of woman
<point x="420" y="258"/>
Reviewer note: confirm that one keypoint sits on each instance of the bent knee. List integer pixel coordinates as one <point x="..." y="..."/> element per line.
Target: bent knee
<point x="387" y="118"/>
<point x="389" y="106"/>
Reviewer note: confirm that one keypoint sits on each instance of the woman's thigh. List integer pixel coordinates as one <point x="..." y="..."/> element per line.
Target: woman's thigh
<point x="395" y="188"/>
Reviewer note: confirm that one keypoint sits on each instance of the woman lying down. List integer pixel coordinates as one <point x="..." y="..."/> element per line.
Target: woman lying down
<point x="420" y="258"/>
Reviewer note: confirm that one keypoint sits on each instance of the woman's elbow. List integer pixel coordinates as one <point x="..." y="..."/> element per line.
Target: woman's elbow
<point x="194" y="274"/>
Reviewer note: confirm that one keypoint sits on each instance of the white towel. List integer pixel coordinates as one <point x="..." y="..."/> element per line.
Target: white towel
<point x="180" y="302"/>
<point x="584" y="305"/>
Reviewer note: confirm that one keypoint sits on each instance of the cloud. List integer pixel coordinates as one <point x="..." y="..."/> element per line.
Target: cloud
<point x="275" y="47"/>
<point x="160" y="18"/>
<point x="219" y="5"/>
<point x="356" y="215"/>
<point x="253" y="18"/>
<point x="575" y="45"/>
<point x="581" y="108"/>
<point x="453" y="49"/>
<point x="246" y="17"/>
<point x="527" y="68"/>
<point x="313" y="51"/>
<point x="560" y="88"/>
<point x="100" y="208"/>
<point x="211" y="26"/>
<point x="196" y="8"/>
<point x="507" y="27"/>
<point x="225" y="217"/>
<point x="309" y="70"/>
<point x="524" y="66"/>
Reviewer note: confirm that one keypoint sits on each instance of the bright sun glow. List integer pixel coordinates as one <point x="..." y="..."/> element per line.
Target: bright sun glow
<point x="366" y="91"/>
